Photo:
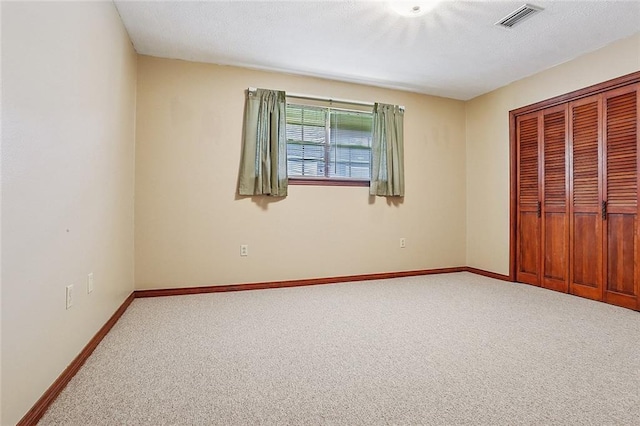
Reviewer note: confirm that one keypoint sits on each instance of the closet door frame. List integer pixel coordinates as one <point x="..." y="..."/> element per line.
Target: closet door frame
<point x="558" y="100"/>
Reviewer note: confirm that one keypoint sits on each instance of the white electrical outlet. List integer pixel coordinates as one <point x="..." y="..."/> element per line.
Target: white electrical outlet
<point x="69" y="296"/>
<point x="403" y="242"/>
<point x="90" y="283"/>
<point x="244" y="250"/>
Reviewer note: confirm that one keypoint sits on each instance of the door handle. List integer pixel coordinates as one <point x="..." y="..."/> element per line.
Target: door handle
<point x="539" y="211"/>
<point x="604" y="210"/>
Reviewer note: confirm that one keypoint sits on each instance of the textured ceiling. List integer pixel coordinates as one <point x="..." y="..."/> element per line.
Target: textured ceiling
<point x="454" y="51"/>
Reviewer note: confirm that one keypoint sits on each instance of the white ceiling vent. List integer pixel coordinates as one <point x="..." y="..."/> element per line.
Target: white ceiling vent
<point x="514" y="18"/>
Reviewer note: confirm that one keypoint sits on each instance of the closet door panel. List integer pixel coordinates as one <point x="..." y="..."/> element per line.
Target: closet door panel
<point x="555" y="250"/>
<point x="621" y="196"/>
<point x="530" y="247"/>
<point x="587" y="255"/>
<point x="621" y="254"/>
<point x="585" y="230"/>
<point x="555" y="223"/>
<point x="528" y="216"/>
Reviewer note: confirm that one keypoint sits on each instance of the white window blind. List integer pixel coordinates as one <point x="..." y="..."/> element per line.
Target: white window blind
<point x="329" y="143"/>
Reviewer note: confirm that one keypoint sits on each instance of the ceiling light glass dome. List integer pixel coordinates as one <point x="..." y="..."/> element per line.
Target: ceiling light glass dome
<point x="413" y="8"/>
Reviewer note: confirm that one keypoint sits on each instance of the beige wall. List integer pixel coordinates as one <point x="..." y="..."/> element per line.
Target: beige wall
<point x="190" y="223"/>
<point x="68" y="105"/>
<point x="487" y="136"/>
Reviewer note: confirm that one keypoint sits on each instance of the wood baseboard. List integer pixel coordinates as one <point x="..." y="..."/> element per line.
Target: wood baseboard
<point x="40" y="407"/>
<point x="488" y="274"/>
<point x="291" y="283"/>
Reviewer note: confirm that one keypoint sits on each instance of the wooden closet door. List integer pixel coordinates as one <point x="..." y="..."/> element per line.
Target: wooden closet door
<point x="585" y="240"/>
<point x="528" y="214"/>
<point x="555" y="208"/>
<point x="620" y="197"/>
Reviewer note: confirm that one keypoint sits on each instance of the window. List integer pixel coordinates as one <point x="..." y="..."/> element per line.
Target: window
<point x="328" y="143"/>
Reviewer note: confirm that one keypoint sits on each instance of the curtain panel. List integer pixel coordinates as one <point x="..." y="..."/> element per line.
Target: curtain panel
<point x="387" y="151"/>
<point x="263" y="167"/>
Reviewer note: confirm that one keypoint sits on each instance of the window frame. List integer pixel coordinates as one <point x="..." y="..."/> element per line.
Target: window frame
<point x="325" y="180"/>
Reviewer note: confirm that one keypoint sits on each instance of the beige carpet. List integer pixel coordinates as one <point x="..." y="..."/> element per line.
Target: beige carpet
<point x="443" y="349"/>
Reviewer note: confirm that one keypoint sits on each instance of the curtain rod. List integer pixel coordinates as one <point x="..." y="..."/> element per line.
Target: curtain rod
<point x="324" y="98"/>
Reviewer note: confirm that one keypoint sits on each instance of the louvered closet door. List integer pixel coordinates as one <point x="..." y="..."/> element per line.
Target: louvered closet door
<point x="620" y="193"/>
<point x="528" y="215"/>
<point x="585" y="245"/>
<point x="555" y="208"/>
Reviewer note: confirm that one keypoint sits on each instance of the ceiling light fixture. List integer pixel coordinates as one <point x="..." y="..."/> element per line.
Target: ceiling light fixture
<point x="413" y="8"/>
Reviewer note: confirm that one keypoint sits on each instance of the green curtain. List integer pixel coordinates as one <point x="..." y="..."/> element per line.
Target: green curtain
<point x="263" y="168"/>
<point x="387" y="151"/>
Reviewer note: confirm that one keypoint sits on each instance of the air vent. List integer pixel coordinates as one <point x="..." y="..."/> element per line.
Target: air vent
<point x="514" y="18"/>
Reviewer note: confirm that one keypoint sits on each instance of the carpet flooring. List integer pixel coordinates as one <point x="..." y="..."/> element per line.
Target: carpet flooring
<point x="452" y="349"/>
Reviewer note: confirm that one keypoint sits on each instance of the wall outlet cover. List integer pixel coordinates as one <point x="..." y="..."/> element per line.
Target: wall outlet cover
<point x="69" y="294"/>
